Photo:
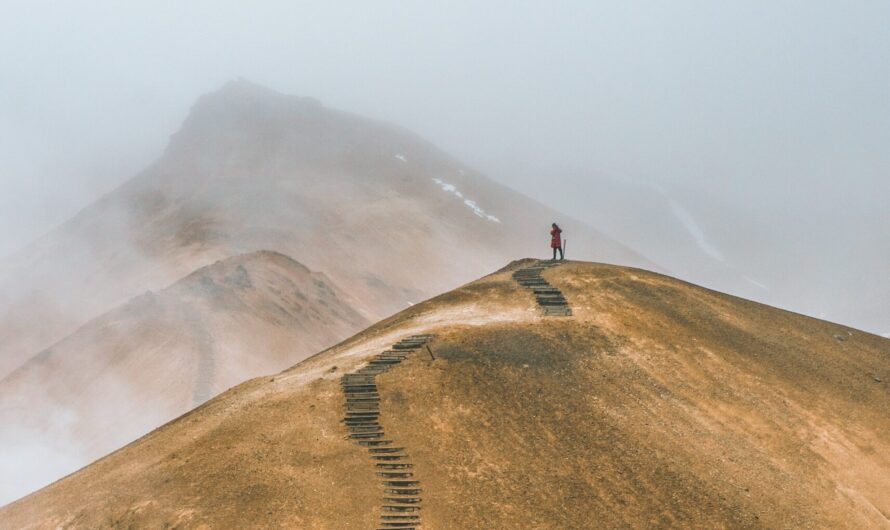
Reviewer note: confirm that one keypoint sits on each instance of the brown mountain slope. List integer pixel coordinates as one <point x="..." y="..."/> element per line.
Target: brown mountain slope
<point x="390" y="218"/>
<point x="158" y="356"/>
<point x="657" y="404"/>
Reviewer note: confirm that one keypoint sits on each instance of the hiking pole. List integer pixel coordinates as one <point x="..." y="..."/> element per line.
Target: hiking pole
<point x="564" y="243"/>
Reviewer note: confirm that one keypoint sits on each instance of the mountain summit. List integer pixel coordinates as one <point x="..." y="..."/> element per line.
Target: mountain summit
<point x="386" y="216"/>
<point x="381" y="218"/>
<point x="654" y="403"/>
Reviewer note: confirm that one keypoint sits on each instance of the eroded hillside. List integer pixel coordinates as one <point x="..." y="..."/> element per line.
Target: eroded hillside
<point x="655" y="404"/>
<point x="388" y="217"/>
<point x="158" y="356"/>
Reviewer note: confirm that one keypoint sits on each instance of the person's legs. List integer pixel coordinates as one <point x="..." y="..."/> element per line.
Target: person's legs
<point x="554" y="253"/>
<point x="560" y="254"/>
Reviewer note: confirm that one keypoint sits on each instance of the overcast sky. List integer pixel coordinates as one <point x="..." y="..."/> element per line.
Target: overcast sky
<point x="780" y="103"/>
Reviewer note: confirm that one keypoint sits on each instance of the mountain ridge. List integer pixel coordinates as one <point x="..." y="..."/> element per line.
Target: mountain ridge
<point x="657" y="403"/>
<point x="159" y="355"/>
<point x="332" y="190"/>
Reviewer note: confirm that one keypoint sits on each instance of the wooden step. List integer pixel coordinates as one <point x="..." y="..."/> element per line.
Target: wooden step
<point x="366" y="435"/>
<point x="401" y="483"/>
<point x="395" y="474"/>
<point x="402" y="491"/>
<point x="403" y="500"/>
<point x="400" y="508"/>
<point x="387" y="450"/>
<point x="374" y="443"/>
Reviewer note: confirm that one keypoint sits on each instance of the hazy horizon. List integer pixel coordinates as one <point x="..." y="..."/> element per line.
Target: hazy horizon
<point x="759" y="129"/>
<point x="779" y="103"/>
<point x="741" y="146"/>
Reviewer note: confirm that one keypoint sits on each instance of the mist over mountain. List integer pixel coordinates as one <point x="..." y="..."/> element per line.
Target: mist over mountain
<point x="387" y="216"/>
<point x="655" y="403"/>
<point x="227" y="303"/>
<point x="830" y="263"/>
<point x="383" y="216"/>
<point x="159" y="355"/>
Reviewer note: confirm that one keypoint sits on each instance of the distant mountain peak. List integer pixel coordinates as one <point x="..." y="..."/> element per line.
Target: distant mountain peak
<point x="243" y="111"/>
<point x="243" y="91"/>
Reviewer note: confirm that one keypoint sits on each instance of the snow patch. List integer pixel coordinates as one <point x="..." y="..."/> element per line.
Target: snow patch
<point x="402" y="158"/>
<point x="688" y="222"/>
<point x="886" y="335"/>
<point x="476" y="210"/>
<point x="479" y="212"/>
<point x="755" y="283"/>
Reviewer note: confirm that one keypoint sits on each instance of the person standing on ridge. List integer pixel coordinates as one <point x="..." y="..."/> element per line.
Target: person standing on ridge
<point x="556" y="241"/>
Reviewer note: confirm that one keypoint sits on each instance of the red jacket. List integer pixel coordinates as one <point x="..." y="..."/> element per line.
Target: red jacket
<point x="555" y="238"/>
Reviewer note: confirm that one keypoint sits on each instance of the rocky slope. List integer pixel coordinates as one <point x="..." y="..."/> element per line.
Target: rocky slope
<point x="391" y="219"/>
<point x="158" y="356"/>
<point x="655" y="404"/>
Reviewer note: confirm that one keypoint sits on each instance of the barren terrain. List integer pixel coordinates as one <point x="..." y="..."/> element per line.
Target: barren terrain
<point x="656" y="404"/>
<point x="158" y="356"/>
<point x="388" y="217"/>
